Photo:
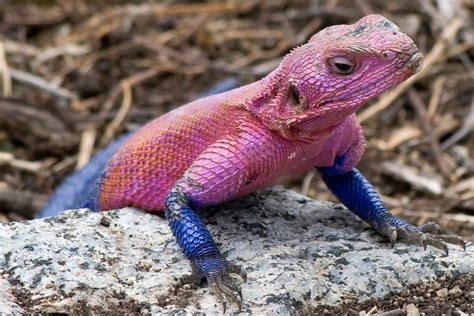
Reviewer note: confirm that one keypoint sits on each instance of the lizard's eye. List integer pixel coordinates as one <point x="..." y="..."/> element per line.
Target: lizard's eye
<point x="342" y="65"/>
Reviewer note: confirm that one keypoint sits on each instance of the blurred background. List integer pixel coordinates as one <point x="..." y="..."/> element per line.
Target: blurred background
<point x="77" y="74"/>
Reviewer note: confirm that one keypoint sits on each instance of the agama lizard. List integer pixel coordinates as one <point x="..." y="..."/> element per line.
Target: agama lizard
<point x="299" y="117"/>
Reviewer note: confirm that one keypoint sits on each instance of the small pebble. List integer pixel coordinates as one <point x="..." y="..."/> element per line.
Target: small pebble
<point x="348" y="301"/>
<point x="442" y="293"/>
<point x="169" y="251"/>
<point x="105" y="221"/>
<point x="455" y="291"/>
<point x="411" y="310"/>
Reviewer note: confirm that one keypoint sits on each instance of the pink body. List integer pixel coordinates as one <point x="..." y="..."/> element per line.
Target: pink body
<point x="299" y="117"/>
<point x="206" y="136"/>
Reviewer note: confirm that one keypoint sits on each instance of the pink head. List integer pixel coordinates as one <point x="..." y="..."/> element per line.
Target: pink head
<point x="318" y="85"/>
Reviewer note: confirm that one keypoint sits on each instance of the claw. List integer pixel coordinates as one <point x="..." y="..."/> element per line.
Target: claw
<point x="426" y="235"/>
<point x="218" y="279"/>
<point x="436" y="242"/>
<point x="446" y="250"/>
<point x="223" y="287"/>
<point x="424" y="241"/>
<point x="392" y="235"/>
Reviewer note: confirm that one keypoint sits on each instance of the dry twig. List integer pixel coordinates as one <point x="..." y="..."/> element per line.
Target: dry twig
<point x="422" y="115"/>
<point x="5" y="71"/>
<point x="126" y="87"/>
<point x="467" y="128"/>
<point x="30" y="166"/>
<point x="86" y="147"/>
<point x="435" y="96"/>
<point x="42" y="84"/>
<point x="23" y="203"/>
<point x="431" y="184"/>
<point x="103" y="22"/>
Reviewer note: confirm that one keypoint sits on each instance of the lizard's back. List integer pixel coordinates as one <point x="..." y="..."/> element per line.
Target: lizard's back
<point x="160" y="152"/>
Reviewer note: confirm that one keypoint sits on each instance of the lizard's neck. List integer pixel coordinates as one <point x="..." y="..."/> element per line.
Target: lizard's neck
<point x="268" y="103"/>
<point x="268" y="97"/>
<point x="266" y="92"/>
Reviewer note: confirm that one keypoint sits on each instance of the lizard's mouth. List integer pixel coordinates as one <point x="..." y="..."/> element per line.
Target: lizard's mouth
<point x="415" y="62"/>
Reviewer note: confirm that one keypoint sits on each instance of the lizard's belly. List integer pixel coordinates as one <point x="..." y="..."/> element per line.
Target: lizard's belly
<point x="295" y="163"/>
<point x="292" y="159"/>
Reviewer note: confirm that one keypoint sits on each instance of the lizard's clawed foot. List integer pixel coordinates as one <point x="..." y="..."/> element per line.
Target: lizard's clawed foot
<point x="218" y="279"/>
<point x="425" y="235"/>
<point x="223" y="286"/>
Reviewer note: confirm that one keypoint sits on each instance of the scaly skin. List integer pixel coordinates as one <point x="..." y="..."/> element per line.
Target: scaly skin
<point x="299" y="117"/>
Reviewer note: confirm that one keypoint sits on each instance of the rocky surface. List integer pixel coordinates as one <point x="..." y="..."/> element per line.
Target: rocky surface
<point x="298" y="253"/>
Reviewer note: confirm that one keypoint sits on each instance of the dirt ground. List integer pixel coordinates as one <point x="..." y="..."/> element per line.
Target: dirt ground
<point x="76" y="74"/>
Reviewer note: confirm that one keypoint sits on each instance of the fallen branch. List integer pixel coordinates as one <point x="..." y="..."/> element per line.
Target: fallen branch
<point x="42" y="84"/>
<point x="30" y="166"/>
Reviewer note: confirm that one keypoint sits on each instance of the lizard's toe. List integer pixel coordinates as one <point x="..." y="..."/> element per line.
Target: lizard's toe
<point x="391" y="232"/>
<point x="425" y="235"/>
<point x="217" y="272"/>
<point x="430" y="227"/>
<point x="235" y="268"/>
<point x="224" y="288"/>
<point x="450" y="239"/>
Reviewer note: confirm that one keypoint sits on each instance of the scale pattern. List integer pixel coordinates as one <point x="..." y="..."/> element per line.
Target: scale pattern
<point x="158" y="155"/>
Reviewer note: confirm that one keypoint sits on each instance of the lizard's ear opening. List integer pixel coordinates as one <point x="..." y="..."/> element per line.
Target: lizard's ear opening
<point x="293" y="97"/>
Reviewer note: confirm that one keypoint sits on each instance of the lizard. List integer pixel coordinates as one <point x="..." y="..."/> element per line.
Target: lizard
<point x="299" y="117"/>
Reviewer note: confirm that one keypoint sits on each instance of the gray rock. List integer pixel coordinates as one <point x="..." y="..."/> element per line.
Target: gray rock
<point x="298" y="254"/>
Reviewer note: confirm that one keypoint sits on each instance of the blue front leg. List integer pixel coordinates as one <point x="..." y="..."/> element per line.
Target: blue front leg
<point x="197" y="244"/>
<point x="192" y="234"/>
<point x="359" y="196"/>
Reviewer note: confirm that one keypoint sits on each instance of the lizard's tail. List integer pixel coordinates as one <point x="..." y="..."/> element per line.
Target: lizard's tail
<point x="76" y="189"/>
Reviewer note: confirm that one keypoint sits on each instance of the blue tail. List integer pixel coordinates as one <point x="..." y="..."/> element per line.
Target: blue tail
<point x="73" y="192"/>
